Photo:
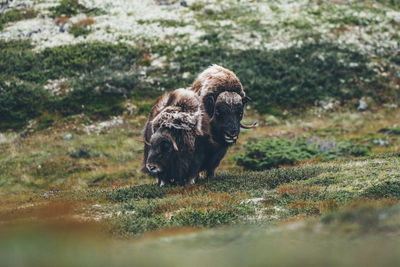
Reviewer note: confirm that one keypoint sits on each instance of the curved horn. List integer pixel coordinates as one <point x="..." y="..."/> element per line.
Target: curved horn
<point x="173" y="142"/>
<point x="249" y="126"/>
<point x="146" y="142"/>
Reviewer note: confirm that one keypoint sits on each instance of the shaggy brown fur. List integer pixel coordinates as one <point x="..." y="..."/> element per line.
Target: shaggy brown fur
<point x="215" y="80"/>
<point x="224" y="98"/>
<point x="176" y="121"/>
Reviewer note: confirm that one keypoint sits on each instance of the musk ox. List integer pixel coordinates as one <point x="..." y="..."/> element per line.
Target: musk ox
<point x="224" y="99"/>
<point x="175" y="135"/>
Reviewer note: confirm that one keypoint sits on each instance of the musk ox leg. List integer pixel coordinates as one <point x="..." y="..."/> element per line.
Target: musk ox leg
<point x="193" y="180"/>
<point x="161" y="182"/>
<point x="215" y="160"/>
<point x="211" y="173"/>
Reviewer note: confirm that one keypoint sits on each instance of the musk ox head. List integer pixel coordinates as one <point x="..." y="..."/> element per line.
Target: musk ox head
<point x="162" y="151"/>
<point x="226" y="113"/>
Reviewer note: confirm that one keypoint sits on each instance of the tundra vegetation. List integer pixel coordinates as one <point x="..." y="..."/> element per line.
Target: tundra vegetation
<point x="317" y="183"/>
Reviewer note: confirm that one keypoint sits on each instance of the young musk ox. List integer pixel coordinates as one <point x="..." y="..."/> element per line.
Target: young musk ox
<point x="176" y="135"/>
<point x="223" y="97"/>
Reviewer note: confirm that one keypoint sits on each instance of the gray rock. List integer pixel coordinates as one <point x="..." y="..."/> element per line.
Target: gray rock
<point x="2" y="138"/>
<point x="30" y="34"/>
<point x="166" y="2"/>
<point x="381" y="142"/>
<point x="65" y="27"/>
<point x="67" y="137"/>
<point x="362" y="104"/>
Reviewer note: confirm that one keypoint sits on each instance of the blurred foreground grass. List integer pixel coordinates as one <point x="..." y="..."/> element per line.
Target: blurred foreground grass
<point x="293" y="244"/>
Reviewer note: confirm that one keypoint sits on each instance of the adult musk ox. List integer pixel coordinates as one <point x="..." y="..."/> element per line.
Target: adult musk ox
<point x="175" y="136"/>
<point x="224" y="98"/>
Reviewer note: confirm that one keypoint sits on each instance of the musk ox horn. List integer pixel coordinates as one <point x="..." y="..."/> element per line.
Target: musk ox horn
<point x="246" y="99"/>
<point x="146" y="142"/>
<point x="249" y="126"/>
<point x="173" y="142"/>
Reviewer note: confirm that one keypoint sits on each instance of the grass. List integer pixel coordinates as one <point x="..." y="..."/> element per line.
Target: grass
<point x="103" y="171"/>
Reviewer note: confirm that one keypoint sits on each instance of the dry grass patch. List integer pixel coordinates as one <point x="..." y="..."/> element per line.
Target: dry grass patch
<point x="85" y="22"/>
<point x="289" y="190"/>
<point x="61" y="20"/>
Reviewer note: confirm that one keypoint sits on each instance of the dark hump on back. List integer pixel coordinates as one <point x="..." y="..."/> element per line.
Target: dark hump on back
<point x="160" y="104"/>
<point x="186" y="100"/>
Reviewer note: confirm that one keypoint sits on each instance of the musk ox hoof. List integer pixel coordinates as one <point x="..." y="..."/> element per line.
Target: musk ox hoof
<point x="160" y="183"/>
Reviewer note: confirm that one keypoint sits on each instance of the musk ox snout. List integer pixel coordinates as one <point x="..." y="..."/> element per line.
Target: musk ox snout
<point x="230" y="138"/>
<point x="153" y="168"/>
<point x="231" y="134"/>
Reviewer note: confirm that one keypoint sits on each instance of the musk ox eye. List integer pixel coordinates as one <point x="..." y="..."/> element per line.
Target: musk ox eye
<point x="222" y="110"/>
<point x="166" y="146"/>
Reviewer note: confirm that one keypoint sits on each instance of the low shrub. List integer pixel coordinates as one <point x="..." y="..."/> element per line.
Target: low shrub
<point x="62" y="61"/>
<point x="77" y="31"/>
<point x="387" y="189"/>
<point x="391" y="3"/>
<point x="72" y="7"/>
<point x="290" y="78"/>
<point x="20" y="102"/>
<point x="82" y="152"/>
<point x="99" y="80"/>
<point x="207" y="218"/>
<point x="272" y="153"/>
<point x="14" y="15"/>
